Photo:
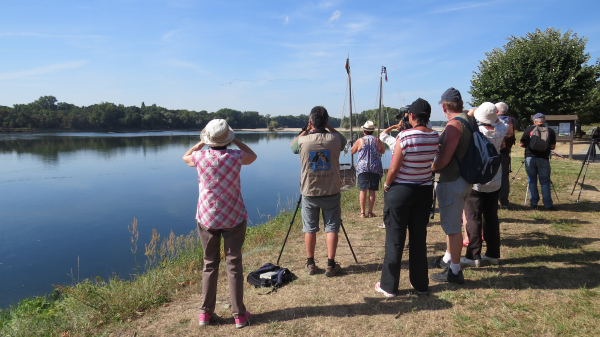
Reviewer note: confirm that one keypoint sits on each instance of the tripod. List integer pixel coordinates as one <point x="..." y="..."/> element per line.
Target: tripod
<point x="292" y="222"/>
<point x="591" y="153"/>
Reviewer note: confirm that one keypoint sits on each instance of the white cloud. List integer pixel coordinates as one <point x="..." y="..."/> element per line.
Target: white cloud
<point x="336" y="15"/>
<point x="54" y="36"/>
<point x="287" y="19"/>
<point x="463" y="6"/>
<point x="168" y="35"/>
<point x="186" y="64"/>
<point x="42" y="70"/>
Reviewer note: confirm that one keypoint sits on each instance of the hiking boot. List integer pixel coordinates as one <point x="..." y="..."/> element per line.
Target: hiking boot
<point x="471" y="263"/>
<point x="332" y="271"/>
<point x="439" y="263"/>
<point x="311" y="268"/>
<point x="242" y="321"/>
<point x="204" y="319"/>
<point x="448" y="276"/>
<point x="490" y="260"/>
<point x="385" y="293"/>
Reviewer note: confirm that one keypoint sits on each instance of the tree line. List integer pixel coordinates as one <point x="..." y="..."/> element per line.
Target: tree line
<point x="47" y="113"/>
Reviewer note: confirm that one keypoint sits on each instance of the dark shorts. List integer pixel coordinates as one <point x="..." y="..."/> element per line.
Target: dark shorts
<point x="369" y="181"/>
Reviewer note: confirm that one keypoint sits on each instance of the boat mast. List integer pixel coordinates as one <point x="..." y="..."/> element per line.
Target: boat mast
<point x="350" y="98"/>
<point x="380" y="95"/>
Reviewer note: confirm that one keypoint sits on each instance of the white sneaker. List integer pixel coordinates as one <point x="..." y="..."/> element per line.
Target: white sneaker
<point x="385" y="293"/>
<point x="468" y="262"/>
<point x="491" y="260"/>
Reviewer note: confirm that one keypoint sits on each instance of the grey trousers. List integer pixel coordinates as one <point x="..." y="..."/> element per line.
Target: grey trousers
<point x="505" y="187"/>
<point x="211" y="243"/>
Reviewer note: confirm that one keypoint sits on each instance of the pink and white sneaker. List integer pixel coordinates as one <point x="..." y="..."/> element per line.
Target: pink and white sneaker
<point x="204" y="319"/>
<point x="385" y="293"/>
<point x="242" y="321"/>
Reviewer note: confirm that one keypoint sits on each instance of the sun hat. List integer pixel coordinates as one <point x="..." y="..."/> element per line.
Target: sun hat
<point x="420" y="106"/>
<point x="217" y="133"/>
<point x="451" y="95"/>
<point x="539" y="115"/>
<point x="486" y="113"/>
<point x="369" y="126"/>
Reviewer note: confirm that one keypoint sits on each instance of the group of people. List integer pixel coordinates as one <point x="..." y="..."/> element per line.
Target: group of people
<point x="417" y="153"/>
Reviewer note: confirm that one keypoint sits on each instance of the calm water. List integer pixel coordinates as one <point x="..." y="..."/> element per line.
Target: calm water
<point x="66" y="200"/>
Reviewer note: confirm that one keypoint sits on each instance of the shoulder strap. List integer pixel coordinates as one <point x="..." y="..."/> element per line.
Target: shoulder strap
<point x="464" y="122"/>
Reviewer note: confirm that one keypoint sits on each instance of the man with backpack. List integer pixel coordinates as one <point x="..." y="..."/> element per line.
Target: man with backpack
<point x="452" y="189"/>
<point x="538" y="140"/>
<point x="505" y="148"/>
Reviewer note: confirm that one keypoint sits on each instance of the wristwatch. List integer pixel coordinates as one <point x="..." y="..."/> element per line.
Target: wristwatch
<point x="386" y="186"/>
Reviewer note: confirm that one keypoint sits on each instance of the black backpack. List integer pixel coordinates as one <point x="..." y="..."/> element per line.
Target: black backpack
<point x="538" y="140"/>
<point x="481" y="161"/>
<point x="281" y="277"/>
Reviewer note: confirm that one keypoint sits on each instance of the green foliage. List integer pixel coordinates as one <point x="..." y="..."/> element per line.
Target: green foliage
<point x="46" y="113"/>
<point x="359" y="119"/>
<point x="545" y="71"/>
<point x="273" y="126"/>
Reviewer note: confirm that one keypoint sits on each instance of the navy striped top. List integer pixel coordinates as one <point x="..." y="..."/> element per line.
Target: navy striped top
<point x="419" y="149"/>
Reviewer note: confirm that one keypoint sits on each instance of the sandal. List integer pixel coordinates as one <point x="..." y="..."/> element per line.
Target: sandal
<point x="362" y="215"/>
<point x="371" y="215"/>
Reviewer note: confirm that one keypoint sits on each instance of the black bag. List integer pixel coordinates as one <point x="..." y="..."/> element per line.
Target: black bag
<point x="281" y="277"/>
<point x="481" y="162"/>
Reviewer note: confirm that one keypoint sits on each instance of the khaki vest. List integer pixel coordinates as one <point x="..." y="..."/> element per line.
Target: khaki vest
<point x="320" y="160"/>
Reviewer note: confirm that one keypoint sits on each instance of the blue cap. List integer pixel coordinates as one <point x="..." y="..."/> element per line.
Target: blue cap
<point x="451" y="95"/>
<point x="539" y="115"/>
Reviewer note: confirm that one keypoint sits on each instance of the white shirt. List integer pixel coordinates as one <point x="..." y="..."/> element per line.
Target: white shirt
<point x="495" y="136"/>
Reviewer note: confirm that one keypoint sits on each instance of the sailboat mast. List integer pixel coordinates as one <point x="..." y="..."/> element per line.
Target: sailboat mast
<point x="380" y="95"/>
<point x="350" y="98"/>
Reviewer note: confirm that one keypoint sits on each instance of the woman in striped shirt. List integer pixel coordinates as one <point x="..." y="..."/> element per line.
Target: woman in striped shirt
<point x="408" y="197"/>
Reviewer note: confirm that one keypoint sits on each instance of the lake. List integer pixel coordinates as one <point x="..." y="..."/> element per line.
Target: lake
<point x="66" y="200"/>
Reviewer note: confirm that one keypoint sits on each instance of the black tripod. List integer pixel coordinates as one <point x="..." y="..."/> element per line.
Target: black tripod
<point x="591" y="153"/>
<point x="292" y="222"/>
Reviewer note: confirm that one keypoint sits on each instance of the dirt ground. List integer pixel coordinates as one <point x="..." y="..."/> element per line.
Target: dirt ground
<point x="548" y="258"/>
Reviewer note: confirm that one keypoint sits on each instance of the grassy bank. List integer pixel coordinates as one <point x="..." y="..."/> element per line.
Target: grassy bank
<point x="548" y="282"/>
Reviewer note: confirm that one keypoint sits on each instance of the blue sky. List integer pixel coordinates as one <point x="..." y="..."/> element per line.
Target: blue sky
<point x="275" y="57"/>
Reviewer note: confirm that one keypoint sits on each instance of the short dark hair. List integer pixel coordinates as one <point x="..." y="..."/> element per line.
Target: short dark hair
<point x="319" y="117"/>
<point x="422" y="118"/>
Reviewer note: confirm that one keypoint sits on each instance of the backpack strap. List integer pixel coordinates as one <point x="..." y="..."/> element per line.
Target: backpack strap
<point x="466" y="123"/>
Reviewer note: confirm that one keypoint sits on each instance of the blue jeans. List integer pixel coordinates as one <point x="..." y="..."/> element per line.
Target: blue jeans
<point x="538" y="167"/>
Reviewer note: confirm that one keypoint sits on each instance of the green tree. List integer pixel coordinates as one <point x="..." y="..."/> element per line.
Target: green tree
<point x="273" y="126"/>
<point x="545" y="71"/>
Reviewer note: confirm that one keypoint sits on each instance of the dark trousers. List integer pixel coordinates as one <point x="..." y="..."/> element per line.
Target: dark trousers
<point x="233" y="239"/>
<point x="505" y="187"/>
<point x="407" y="206"/>
<point x="481" y="211"/>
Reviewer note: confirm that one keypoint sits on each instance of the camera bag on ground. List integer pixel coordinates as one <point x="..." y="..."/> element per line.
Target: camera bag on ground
<point x="274" y="276"/>
<point x="481" y="161"/>
<point x="538" y="139"/>
<point x="510" y="139"/>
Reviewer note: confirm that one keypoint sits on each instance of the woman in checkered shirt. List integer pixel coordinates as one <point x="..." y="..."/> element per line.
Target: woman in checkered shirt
<point x="221" y="213"/>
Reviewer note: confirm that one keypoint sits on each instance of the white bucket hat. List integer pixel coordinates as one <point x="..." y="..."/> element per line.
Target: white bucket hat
<point x="217" y="133"/>
<point x="369" y="126"/>
<point x="486" y="113"/>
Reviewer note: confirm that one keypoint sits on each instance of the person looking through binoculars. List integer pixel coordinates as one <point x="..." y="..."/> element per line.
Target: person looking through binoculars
<point x="319" y="147"/>
<point x="368" y="167"/>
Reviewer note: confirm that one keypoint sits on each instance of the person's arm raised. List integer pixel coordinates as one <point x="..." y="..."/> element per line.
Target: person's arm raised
<point x="249" y="155"/>
<point x="187" y="157"/>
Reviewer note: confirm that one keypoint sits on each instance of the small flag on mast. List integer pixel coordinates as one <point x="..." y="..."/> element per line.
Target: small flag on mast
<point x="347" y="66"/>
<point x="385" y="72"/>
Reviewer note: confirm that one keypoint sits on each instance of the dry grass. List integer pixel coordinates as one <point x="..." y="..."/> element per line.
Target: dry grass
<point x="548" y="282"/>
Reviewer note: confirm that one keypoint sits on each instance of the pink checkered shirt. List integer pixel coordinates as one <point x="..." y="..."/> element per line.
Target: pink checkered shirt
<point x="220" y="204"/>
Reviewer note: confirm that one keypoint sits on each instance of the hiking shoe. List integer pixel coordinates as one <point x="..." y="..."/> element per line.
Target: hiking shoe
<point x="448" y="276"/>
<point x="471" y="263"/>
<point x="503" y="206"/>
<point x="385" y="293"/>
<point x="439" y="263"/>
<point x="311" y="268"/>
<point x="242" y="321"/>
<point x="204" y="319"/>
<point x="491" y="260"/>
<point x="332" y="271"/>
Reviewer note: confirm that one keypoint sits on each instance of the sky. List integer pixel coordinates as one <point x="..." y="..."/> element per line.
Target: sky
<point x="274" y="57"/>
